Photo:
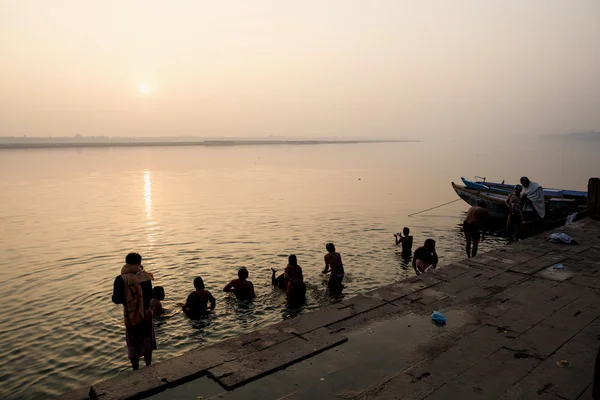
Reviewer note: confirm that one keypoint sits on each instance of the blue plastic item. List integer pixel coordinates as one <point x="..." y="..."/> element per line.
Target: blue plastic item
<point x="438" y="317"/>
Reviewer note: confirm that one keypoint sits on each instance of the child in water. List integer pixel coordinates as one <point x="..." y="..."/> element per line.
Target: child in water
<point x="158" y="295"/>
<point x="406" y="240"/>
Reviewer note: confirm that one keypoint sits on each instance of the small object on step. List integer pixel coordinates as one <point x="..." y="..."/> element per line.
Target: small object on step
<point x="563" y="364"/>
<point x="558" y="266"/>
<point x="559" y="237"/>
<point x="438" y="318"/>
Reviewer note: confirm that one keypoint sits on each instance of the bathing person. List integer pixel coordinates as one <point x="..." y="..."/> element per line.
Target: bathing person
<point x="515" y="213"/>
<point x="425" y="258"/>
<point x="295" y="289"/>
<point x="242" y="287"/>
<point x="278" y="281"/>
<point x="133" y="289"/>
<point x="475" y="222"/>
<point x="333" y="263"/>
<point x="158" y="295"/>
<point x="406" y="240"/>
<point x="197" y="301"/>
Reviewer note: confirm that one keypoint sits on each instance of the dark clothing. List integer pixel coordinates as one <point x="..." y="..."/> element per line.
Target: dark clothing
<point x="118" y="296"/>
<point x="596" y="382"/>
<point x="198" y="302"/>
<point x="471" y="232"/>
<point x="426" y="256"/>
<point x="407" y="243"/>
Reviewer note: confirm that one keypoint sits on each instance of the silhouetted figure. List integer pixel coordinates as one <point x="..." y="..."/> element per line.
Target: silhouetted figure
<point x="475" y="222"/>
<point x="278" y="281"/>
<point x="425" y="258"/>
<point x="515" y="214"/>
<point x="295" y="289"/>
<point x="406" y="240"/>
<point x="196" y="305"/>
<point x="333" y="263"/>
<point x="133" y="289"/>
<point x="241" y="287"/>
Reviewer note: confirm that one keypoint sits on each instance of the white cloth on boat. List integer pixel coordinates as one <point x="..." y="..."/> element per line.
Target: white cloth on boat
<point x="535" y="194"/>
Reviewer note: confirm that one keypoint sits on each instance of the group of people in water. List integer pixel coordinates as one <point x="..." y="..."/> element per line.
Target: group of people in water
<point x="133" y="289"/>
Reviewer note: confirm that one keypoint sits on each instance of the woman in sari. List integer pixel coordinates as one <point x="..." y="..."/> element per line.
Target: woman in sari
<point x="133" y="289"/>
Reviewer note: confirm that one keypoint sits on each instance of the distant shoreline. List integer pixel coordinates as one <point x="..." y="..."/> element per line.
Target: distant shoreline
<point x="162" y="143"/>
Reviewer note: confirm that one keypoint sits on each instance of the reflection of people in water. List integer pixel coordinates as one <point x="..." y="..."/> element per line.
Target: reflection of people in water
<point x="242" y="287"/>
<point x="333" y="262"/>
<point x="295" y="289"/>
<point x="196" y="304"/>
<point x="278" y="281"/>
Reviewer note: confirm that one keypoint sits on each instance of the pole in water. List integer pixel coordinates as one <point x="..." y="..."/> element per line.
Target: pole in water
<point x="433" y="208"/>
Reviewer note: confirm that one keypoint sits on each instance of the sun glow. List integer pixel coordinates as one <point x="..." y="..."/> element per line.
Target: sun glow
<point x="144" y="88"/>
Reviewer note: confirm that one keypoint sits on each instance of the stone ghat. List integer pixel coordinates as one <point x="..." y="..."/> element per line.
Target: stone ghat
<point x="517" y="328"/>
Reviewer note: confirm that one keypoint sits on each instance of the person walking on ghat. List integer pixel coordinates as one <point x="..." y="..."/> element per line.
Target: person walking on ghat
<point x="133" y="289"/>
<point x="475" y="220"/>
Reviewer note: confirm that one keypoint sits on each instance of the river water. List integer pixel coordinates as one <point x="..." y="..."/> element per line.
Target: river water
<point x="68" y="217"/>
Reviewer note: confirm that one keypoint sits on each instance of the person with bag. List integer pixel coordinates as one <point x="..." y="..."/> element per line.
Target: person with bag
<point x="133" y="289"/>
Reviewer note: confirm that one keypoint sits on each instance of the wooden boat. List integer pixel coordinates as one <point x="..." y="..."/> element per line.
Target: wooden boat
<point x="507" y="188"/>
<point x="495" y="202"/>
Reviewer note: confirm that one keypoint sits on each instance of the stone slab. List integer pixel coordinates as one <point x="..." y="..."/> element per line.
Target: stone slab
<point x="521" y="317"/>
<point x="487" y="379"/>
<point x="401" y="289"/>
<point x="532" y="266"/>
<point x="567" y="383"/>
<point x="459" y="357"/>
<point x="131" y="384"/>
<point x="387" y="312"/>
<point x="400" y="386"/>
<point x="242" y="370"/>
<point x="77" y="394"/>
<point x="361" y="303"/>
<point x="196" y="362"/>
<point x="556" y="274"/>
<point x="309" y="322"/>
<point x="262" y="338"/>
<point x="502" y="281"/>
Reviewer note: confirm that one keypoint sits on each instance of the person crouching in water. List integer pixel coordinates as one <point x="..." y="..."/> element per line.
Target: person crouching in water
<point x="295" y="289"/>
<point x="333" y="262"/>
<point x="241" y="287"/>
<point x="133" y="289"/>
<point x="425" y="258"/>
<point x="475" y="224"/>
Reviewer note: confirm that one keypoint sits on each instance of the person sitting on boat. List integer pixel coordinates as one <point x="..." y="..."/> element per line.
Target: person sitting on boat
<point x="475" y="222"/>
<point x="515" y="213"/>
<point x="406" y="240"/>
<point x="535" y="194"/>
<point x="425" y="258"/>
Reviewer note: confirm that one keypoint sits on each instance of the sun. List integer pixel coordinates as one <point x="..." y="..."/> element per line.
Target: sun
<point x="144" y="88"/>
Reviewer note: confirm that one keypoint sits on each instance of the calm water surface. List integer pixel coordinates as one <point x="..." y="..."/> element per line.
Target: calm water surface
<point x="69" y="217"/>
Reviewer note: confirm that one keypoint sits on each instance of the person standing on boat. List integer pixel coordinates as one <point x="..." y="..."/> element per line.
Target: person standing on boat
<point x="515" y="213"/>
<point x="535" y="194"/>
<point x="475" y="223"/>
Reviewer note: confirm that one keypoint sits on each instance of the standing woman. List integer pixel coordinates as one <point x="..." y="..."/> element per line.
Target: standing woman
<point x="295" y="289"/>
<point x="133" y="289"/>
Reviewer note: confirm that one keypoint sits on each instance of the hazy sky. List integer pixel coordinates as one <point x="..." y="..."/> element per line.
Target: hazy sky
<point x="405" y="69"/>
